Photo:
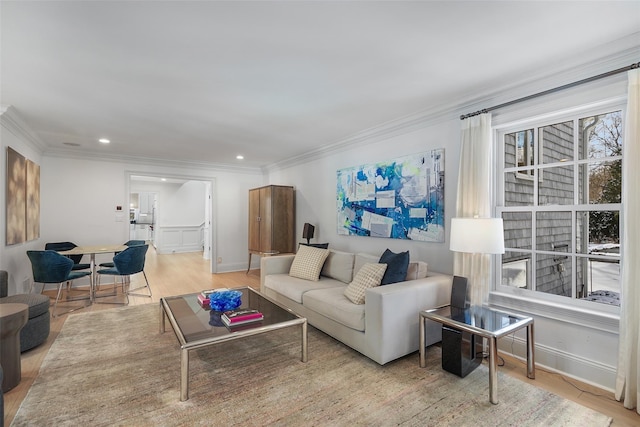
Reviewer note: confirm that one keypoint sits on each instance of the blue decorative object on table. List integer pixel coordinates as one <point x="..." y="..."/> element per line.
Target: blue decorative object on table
<point x="225" y="300"/>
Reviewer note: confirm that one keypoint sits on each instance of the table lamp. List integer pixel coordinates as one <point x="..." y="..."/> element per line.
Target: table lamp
<point x="473" y="236"/>
<point x="307" y="231"/>
<point x="477" y="235"/>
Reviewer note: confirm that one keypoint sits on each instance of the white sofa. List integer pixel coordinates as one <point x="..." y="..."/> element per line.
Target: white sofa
<point x="384" y="328"/>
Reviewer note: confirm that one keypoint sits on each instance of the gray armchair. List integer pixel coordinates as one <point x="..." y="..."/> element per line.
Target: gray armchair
<point x="36" y="331"/>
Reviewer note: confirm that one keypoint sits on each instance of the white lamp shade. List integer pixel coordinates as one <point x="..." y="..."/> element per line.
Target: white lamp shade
<point x="477" y="235"/>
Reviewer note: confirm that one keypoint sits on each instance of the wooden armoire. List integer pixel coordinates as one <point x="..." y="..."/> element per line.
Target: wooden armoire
<point x="272" y="219"/>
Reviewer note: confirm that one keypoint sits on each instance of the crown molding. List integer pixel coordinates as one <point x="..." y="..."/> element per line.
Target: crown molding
<point x="11" y="120"/>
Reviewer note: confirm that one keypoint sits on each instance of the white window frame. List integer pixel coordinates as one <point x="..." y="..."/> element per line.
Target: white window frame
<point x="586" y="313"/>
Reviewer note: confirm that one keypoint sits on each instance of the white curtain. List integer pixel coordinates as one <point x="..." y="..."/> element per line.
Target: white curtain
<point x="474" y="199"/>
<point x="628" y="376"/>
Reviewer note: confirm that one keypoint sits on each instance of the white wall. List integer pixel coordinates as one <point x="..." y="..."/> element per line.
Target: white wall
<point x="315" y="184"/>
<point x="180" y="215"/>
<point x="178" y="204"/>
<point x="182" y="204"/>
<point x="79" y="200"/>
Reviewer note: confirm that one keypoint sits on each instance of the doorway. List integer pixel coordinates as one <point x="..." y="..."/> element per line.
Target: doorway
<point x="142" y="215"/>
<point x="163" y="198"/>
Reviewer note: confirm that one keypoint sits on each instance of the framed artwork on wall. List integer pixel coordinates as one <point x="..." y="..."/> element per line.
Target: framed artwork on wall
<point x="16" y="194"/>
<point x="33" y="200"/>
<point x="399" y="199"/>
<point x="22" y="199"/>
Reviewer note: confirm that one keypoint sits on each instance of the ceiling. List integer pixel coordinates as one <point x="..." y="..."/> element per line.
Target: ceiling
<point x="205" y="81"/>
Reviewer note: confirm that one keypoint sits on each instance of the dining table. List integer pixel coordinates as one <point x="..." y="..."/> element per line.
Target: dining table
<point x="92" y="251"/>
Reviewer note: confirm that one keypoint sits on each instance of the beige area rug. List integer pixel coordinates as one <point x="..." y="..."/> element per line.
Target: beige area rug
<point x="113" y="367"/>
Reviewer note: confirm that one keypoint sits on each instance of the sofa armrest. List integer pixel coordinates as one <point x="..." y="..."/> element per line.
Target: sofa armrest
<point x="275" y="264"/>
<point x="392" y="312"/>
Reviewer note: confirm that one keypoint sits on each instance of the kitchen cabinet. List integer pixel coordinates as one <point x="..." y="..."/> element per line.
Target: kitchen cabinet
<point x="146" y="201"/>
<point x="271" y="220"/>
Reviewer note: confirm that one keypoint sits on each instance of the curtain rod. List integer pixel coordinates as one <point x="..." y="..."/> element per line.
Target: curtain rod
<point x="557" y="89"/>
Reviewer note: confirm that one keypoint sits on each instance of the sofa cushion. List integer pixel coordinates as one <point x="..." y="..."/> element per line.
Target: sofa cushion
<point x="339" y="266"/>
<point x="38" y="303"/>
<point x="294" y="288"/>
<point x="397" y="265"/>
<point x="332" y="303"/>
<point x="308" y="263"/>
<point x="362" y="259"/>
<point x="369" y="276"/>
<point x="417" y="270"/>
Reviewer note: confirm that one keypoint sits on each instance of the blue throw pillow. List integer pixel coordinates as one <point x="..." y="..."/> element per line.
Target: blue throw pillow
<point x="397" y="265"/>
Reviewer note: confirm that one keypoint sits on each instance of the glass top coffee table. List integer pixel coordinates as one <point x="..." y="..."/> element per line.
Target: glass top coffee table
<point x="197" y="327"/>
<point x="487" y="323"/>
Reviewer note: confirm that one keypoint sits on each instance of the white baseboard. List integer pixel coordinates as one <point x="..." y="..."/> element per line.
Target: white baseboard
<point x="231" y="267"/>
<point x="563" y="363"/>
<point x="164" y="250"/>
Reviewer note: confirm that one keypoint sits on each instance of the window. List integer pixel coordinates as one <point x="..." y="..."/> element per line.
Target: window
<point x="559" y="194"/>
<point x="524" y="151"/>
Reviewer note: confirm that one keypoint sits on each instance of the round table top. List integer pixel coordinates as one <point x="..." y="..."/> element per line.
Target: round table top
<point x="11" y="309"/>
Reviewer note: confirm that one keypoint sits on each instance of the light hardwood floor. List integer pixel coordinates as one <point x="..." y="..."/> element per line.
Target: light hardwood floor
<point x="187" y="273"/>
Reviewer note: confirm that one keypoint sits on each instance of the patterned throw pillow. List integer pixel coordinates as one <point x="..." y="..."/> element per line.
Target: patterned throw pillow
<point x="308" y="263"/>
<point x="369" y="276"/>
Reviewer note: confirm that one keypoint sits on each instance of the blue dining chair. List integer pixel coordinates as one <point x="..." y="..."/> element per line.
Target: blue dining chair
<point x="65" y="246"/>
<point x="49" y="266"/>
<point x="127" y="263"/>
<point x="110" y="263"/>
<point x="129" y="243"/>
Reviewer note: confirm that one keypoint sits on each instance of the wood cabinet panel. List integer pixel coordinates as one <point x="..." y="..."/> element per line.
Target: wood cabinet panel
<point x="254" y="220"/>
<point x="272" y="219"/>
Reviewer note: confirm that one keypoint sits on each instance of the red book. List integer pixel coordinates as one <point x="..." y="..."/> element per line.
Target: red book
<point x="203" y="300"/>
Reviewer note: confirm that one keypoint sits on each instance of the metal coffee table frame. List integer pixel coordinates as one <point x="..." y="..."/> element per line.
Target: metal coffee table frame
<point x="221" y="334"/>
<point x="487" y="323"/>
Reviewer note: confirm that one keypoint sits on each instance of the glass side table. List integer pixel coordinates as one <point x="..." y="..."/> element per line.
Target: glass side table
<point x="487" y="323"/>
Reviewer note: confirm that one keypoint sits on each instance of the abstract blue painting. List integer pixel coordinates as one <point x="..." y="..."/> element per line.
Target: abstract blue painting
<point x="398" y="199"/>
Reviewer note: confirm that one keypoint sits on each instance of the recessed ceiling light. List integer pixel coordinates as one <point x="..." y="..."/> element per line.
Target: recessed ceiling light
<point x="104" y="140"/>
<point x="240" y="157"/>
<point x="163" y="179"/>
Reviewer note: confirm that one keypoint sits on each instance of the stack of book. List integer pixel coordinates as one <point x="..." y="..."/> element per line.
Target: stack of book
<point x="203" y="297"/>
<point x="241" y="316"/>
